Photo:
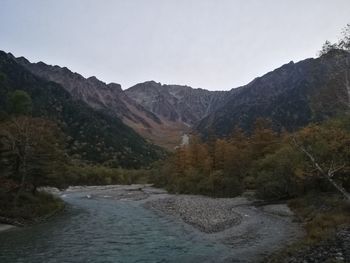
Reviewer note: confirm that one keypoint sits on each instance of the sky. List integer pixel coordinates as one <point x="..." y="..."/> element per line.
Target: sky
<point x="210" y="44"/>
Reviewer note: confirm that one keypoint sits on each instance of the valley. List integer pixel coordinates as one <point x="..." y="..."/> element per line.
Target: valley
<point x="96" y="172"/>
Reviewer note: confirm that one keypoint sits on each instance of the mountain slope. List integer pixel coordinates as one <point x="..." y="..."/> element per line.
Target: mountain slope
<point x="94" y="92"/>
<point x="291" y="96"/>
<point x="94" y="135"/>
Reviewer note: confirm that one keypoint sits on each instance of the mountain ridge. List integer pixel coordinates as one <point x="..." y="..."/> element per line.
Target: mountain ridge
<point x="111" y="99"/>
<point x="292" y="96"/>
<point x="176" y="102"/>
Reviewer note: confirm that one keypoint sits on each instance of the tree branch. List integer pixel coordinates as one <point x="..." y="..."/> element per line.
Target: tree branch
<point x="328" y="175"/>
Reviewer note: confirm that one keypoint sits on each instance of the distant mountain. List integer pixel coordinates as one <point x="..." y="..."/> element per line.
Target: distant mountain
<point x="94" y="133"/>
<point x="161" y="113"/>
<point x="111" y="99"/>
<point x="291" y="96"/>
<point x="177" y="103"/>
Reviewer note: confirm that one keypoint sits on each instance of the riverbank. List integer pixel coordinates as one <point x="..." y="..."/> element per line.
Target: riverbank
<point x="326" y="220"/>
<point x="30" y="209"/>
<point x="251" y="231"/>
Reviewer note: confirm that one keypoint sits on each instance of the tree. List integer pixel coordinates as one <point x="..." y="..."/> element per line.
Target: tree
<point x="2" y="77"/>
<point x="238" y="155"/>
<point x="263" y="139"/>
<point x="32" y="152"/>
<point x="276" y="173"/>
<point x="327" y="148"/>
<point x="326" y="47"/>
<point x="19" y="103"/>
<point x="344" y="42"/>
<point x="220" y="150"/>
<point x="199" y="156"/>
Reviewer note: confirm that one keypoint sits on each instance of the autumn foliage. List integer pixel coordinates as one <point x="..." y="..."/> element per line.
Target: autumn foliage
<point x="265" y="160"/>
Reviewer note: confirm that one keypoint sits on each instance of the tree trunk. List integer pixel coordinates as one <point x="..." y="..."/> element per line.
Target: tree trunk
<point x="338" y="187"/>
<point x="327" y="175"/>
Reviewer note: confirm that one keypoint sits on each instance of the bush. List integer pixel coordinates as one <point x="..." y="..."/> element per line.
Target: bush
<point x="226" y="185"/>
<point x="272" y="187"/>
<point x="249" y="182"/>
<point x="29" y="207"/>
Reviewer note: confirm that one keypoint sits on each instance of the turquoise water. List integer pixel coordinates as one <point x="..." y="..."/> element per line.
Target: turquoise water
<point x="103" y="230"/>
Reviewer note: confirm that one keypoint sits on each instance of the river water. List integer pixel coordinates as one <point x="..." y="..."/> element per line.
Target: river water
<point x="105" y="230"/>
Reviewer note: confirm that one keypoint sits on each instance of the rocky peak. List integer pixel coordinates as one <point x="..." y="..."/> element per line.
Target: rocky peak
<point x="176" y="103"/>
<point x="21" y="59"/>
<point x="115" y="86"/>
<point x="93" y="79"/>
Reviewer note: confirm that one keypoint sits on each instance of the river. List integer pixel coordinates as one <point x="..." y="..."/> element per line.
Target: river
<point x="104" y="230"/>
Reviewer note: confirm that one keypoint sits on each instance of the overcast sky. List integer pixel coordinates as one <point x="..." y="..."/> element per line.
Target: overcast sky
<point x="211" y="44"/>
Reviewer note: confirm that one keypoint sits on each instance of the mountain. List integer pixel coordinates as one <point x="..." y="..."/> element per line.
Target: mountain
<point x="291" y="96"/>
<point x="113" y="100"/>
<point x="179" y="107"/>
<point x="94" y="133"/>
<point x="160" y="113"/>
<point x="176" y="103"/>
